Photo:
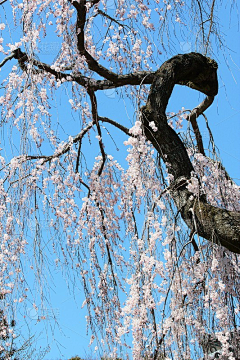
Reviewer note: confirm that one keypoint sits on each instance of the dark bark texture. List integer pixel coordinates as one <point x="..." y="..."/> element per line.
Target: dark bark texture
<point x="217" y="225"/>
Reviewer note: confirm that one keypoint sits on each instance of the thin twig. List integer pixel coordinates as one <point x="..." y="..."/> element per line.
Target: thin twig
<point x="111" y="18"/>
<point x="210" y="26"/>
<point x="114" y="123"/>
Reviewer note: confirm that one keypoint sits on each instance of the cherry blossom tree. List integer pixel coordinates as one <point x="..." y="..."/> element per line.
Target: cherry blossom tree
<point x="152" y="232"/>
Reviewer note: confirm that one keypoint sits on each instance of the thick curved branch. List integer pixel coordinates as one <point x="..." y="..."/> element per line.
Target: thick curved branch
<point x="137" y="78"/>
<point x="199" y="72"/>
<point x="81" y="8"/>
<point x="112" y="79"/>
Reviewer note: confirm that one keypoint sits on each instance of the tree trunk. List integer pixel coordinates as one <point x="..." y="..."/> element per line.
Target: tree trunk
<point x="198" y="72"/>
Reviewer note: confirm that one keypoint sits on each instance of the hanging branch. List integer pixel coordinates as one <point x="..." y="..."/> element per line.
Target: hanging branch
<point x="93" y="100"/>
<point x="192" y="117"/>
<point x="114" y="123"/>
<point x="65" y="149"/>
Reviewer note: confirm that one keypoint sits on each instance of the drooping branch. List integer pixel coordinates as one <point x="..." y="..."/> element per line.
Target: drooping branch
<point x="65" y="149"/>
<point x="114" y="123"/>
<point x="192" y="117"/>
<point x="95" y="117"/>
<point x="111" y="18"/>
<point x="210" y="26"/>
<point x="217" y="225"/>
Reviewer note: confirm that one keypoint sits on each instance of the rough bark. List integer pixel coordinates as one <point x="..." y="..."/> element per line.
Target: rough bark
<point x="198" y="72"/>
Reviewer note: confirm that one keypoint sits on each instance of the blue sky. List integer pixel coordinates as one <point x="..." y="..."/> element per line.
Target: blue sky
<point x="223" y="116"/>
